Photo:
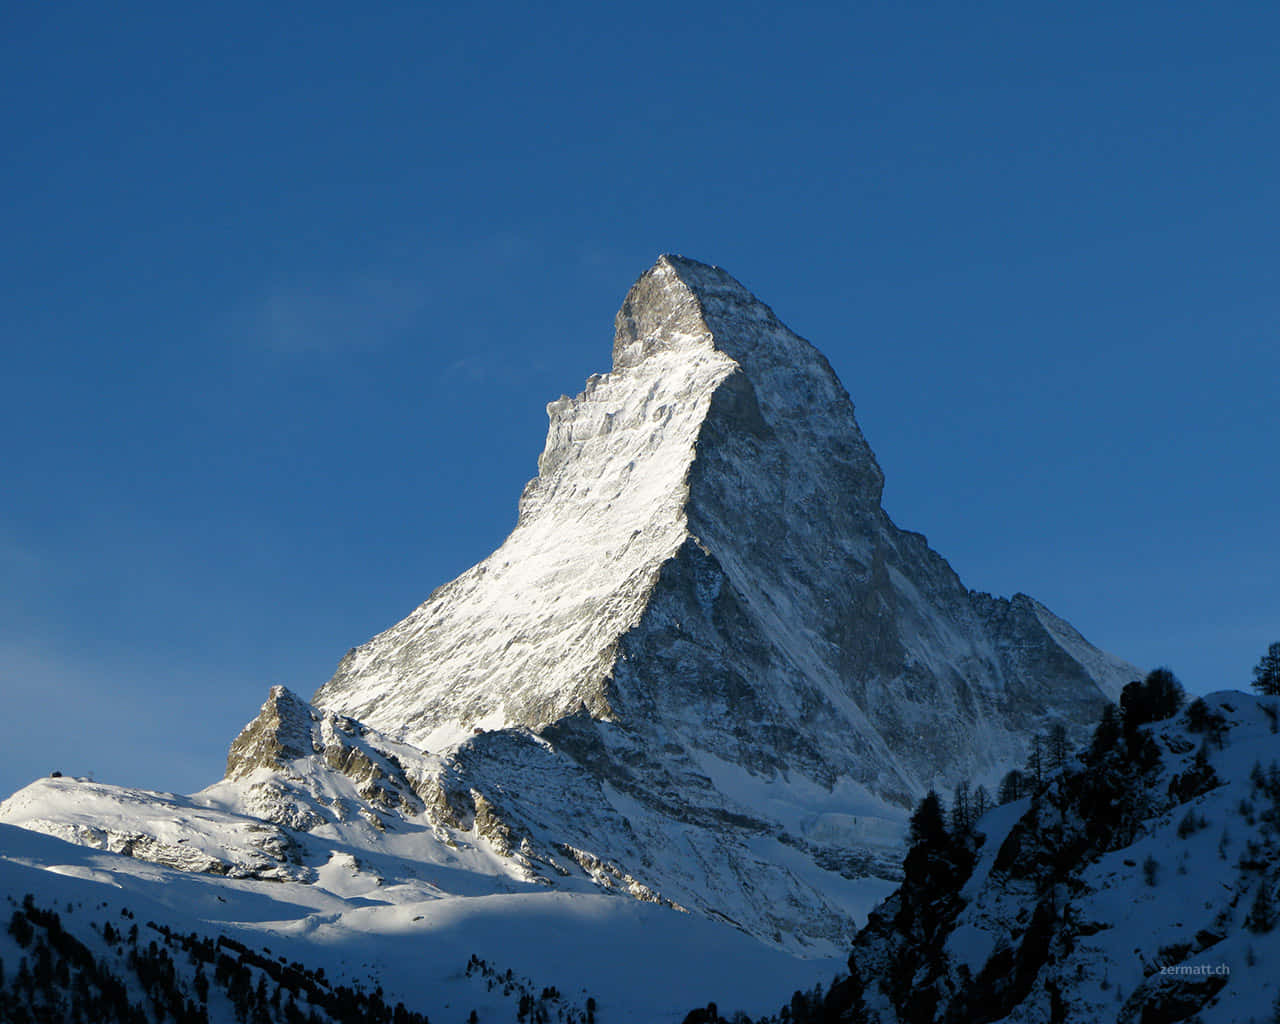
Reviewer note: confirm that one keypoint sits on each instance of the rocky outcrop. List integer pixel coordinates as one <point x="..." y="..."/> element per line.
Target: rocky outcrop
<point x="288" y="730"/>
<point x="281" y="733"/>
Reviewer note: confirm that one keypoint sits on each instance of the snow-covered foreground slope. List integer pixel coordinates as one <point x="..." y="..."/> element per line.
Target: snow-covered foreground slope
<point x="181" y="832"/>
<point x="341" y="849"/>
<point x="1140" y="884"/>
<point x="638" y="962"/>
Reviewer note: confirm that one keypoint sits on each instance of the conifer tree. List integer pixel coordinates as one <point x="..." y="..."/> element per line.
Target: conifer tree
<point x="1059" y="746"/>
<point x="1106" y="735"/>
<point x="981" y="803"/>
<point x="928" y="825"/>
<point x="1012" y="787"/>
<point x="1262" y="915"/>
<point x="961" y="810"/>
<point x="1036" y="761"/>
<point x="1266" y="674"/>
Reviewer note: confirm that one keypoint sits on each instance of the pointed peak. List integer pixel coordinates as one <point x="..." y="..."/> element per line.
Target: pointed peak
<point x="705" y="280"/>
<point x="660" y="310"/>
<point x="280" y="733"/>
<point x="680" y="301"/>
<point x="282" y="695"/>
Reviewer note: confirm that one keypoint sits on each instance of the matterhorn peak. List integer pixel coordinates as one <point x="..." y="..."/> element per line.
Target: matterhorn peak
<point x="707" y="630"/>
<point x="712" y="404"/>
<point x="705" y="534"/>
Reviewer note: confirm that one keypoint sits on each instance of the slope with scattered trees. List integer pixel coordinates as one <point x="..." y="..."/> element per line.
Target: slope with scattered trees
<point x="1137" y="882"/>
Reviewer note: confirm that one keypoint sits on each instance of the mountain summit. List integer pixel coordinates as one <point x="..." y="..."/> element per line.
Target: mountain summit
<point x="703" y="555"/>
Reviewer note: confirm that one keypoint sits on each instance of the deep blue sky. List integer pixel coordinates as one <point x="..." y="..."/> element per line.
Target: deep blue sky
<point x="284" y="291"/>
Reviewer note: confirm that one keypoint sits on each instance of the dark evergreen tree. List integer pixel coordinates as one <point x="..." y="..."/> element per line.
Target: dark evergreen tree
<point x="1145" y="752"/>
<point x="1266" y="674"/>
<point x="1158" y="696"/>
<point x="980" y="803"/>
<point x="1012" y="787"/>
<point x="1107" y="735"/>
<point x="961" y="810"/>
<point x="1198" y="715"/>
<point x="1165" y="694"/>
<point x="1262" y="915"/>
<point x="1059" y="746"/>
<point x="928" y="824"/>
<point x="20" y="928"/>
<point x="1036" y="761"/>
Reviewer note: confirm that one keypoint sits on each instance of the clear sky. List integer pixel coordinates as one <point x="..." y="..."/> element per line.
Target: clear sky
<point x="285" y="289"/>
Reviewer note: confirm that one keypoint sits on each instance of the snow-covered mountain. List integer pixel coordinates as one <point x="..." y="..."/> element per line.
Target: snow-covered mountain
<point x="705" y="673"/>
<point x="705" y="619"/>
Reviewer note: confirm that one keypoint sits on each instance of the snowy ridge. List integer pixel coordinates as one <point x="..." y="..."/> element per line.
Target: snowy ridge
<point x="1110" y="674"/>
<point x="180" y="832"/>
<point x="315" y="797"/>
<point x="528" y="635"/>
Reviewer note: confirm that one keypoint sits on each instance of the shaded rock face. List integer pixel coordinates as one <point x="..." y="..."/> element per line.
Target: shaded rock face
<point x="703" y="562"/>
